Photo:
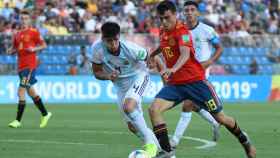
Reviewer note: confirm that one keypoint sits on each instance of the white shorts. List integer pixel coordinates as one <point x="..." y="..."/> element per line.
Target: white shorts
<point x="137" y="89"/>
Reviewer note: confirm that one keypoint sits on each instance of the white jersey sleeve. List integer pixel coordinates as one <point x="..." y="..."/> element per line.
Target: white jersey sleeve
<point x="204" y="38"/>
<point x="137" y="52"/>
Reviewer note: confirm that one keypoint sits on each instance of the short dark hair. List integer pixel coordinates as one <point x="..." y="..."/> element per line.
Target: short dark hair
<point x="24" y="12"/>
<point x="187" y="3"/>
<point x="110" y="29"/>
<point x="165" y="6"/>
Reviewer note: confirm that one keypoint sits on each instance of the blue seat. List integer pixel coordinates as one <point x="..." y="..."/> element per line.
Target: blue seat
<point x="246" y="60"/>
<point x="2" y="59"/>
<point x="222" y="60"/>
<point x="261" y="51"/>
<point x="250" y="51"/>
<point x="63" y="59"/>
<point x="10" y="59"/>
<point x="242" y="51"/>
<point x="244" y="69"/>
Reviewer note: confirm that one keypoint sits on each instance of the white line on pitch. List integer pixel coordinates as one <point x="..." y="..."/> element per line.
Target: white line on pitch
<point x="207" y="143"/>
<point x="47" y="142"/>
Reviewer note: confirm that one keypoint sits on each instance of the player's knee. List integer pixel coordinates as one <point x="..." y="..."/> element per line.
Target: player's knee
<point x="31" y="92"/>
<point x="187" y="106"/>
<point x="21" y="92"/>
<point x="154" y="109"/>
<point x="129" y="105"/>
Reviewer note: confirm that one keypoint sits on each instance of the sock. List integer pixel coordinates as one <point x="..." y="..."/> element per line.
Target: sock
<point x="141" y="137"/>
<point x="155" y="139"/>
<point x="208" y="117"/>
<point x="182" y="126"/>
<point x="20" y="110"/>
<point x="238" y="133"/>
<point x="39" y="104"/>
<point x="139" y="123"/>
<point x="162" y="136"/>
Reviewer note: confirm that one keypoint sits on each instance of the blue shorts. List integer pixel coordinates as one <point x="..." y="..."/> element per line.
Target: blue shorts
<point x="202" y="93"/>
<point x="27" y="78"/>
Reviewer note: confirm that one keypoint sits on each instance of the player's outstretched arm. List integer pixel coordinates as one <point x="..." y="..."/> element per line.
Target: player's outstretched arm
<point x="100" y="74"/>
<point x="218" y="52"/>
<point x="184" y="56"/>
<point x="11" y="51"/>
<point x="40" y="44"/>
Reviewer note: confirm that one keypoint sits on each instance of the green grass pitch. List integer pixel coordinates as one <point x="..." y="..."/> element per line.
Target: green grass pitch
<point x="97" y="131"/>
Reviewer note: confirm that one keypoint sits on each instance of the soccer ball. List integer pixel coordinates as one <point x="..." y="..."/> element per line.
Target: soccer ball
<point x="138" y="154"/>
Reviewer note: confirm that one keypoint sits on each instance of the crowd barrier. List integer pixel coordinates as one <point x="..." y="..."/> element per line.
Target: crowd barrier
<point x="86" y="89"/>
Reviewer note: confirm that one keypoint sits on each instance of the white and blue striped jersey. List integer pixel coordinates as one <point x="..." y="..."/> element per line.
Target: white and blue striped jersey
<point x="129" y="63"/>
<point x="204" y="37"/>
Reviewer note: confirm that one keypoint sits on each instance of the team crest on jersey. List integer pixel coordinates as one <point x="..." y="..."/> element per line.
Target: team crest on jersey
<point x="186" y="38"/>
<point x="171" y="42"/>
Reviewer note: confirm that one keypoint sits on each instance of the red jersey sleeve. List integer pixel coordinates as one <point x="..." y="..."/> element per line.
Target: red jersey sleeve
<point x="184" y="37"/>
<point x="38" y="38"/>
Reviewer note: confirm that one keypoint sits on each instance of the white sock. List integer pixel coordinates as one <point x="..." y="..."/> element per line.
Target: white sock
<point x="155" y="139"/>
<point x="208" y="117"/>
<point x="182" y="126"/>
<point x="139" y="123"/>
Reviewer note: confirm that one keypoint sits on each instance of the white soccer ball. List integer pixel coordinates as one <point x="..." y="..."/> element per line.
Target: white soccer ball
<point x="138" y="154"/>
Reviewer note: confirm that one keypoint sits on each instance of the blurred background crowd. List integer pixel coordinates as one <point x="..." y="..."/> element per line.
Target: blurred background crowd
<point x="63" y="17"/>
<point x="249" y="30"/>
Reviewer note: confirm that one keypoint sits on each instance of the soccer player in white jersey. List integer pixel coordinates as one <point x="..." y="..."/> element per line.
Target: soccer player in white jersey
<point x="204" y="39"/>
<point x="124" y="63"/>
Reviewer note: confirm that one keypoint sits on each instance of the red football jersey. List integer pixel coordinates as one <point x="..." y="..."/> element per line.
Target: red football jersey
<point x="22" y="40"/>
<point x="170" y="41"/>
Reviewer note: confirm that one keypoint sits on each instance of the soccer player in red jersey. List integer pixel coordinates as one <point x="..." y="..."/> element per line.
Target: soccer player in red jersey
<point x="26" y="42"/>
<point x="185" y="78"/>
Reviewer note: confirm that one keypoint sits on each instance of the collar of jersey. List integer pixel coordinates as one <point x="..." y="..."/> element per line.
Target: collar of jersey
<point x="195" y="26"/>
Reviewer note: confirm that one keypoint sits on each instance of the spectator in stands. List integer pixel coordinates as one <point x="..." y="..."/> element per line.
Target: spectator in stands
<point x="6" y="12"/>
<point x="253" y="67"/>
<point x="90" y="22"/>
<point x="83" y="62"/>
<point x="72" y="61"/>
<point x="273" y="57"/>
<point x="20" y="4"/>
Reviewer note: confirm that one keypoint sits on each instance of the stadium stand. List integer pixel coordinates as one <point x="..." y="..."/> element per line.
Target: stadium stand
<point x="248" y="30"/>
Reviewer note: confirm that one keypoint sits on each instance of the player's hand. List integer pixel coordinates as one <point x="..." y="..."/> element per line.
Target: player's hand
<point x="166" y="73"/>
<point x="10" y="51"/>
<point x="114" y="75"/>
<point x="31" y="49"/>
<point x="206" y="63"/>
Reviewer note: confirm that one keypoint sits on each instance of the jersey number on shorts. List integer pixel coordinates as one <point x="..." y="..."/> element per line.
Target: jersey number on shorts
<point x="24" y="81"/>
<point x="136" y="87"/>
<point x="211" y="104"/>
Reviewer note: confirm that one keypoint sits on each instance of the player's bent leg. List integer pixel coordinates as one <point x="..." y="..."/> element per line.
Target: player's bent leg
<point x="234" y="128"/>
<point x="20" y="109"/>
<point x="39" y="104"/>
<point x="157" y="108"/>
<point x="183" y="123"/>
<point x="139" y="125"/>
<point x="133" y="130"/>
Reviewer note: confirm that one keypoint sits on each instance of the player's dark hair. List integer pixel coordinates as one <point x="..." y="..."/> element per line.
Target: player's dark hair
<point x="24" y="12"/>
<point x="165" y="6"/>
<point x="187" y="3"/>
<point x="110" y="29"/>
